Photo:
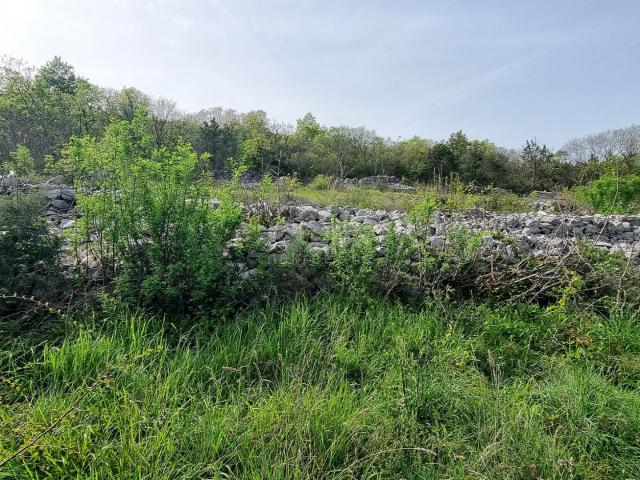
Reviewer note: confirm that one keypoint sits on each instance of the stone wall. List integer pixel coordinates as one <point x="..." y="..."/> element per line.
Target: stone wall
<point x="539" y="233"/>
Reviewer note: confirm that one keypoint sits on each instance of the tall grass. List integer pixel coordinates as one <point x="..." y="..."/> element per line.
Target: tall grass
<point x="330" y="388"/>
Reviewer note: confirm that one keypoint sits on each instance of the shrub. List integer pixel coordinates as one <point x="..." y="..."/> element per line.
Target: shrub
<point x="300" y="269"/>
<point x="458" y="196"/>
<point x="22" y="163"/>
<point x="612" y="193"/>
<point x="157" y="232"/>
<point x="353" y="259"/>
<point x="421" y="212"/>
<point x="409" y="267"/>
<point x="29" y="254"/>
<point x="499" y="200"/>
<point x="321" y="182"/>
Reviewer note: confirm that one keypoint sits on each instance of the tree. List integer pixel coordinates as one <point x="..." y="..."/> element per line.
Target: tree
<point x="124" y="103"/>
<point x="44" y="110"/>
<point x="308" y="127"/>
<point x="539" y="166"/>
<point x="255" y="147"/>
<point x="21" y="163"/>
<point x="440" y="162"/>
<point x="162" y="111"/>
<point x="57" y="76"/>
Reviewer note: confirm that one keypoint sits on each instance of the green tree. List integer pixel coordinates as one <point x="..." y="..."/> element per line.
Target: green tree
<point x="440" y="162"/>
<point x="540" y="169"/>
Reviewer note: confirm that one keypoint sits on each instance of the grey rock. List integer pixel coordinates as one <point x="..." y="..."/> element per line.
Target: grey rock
<point x="68" y="194"/>
<point x="305" y="213"/>
<point x="603" y="244"/>
<point x="62" y="205"/>
<point x="52" y="193"/>
<point x="314" y="227"/>
<point x="67" y="223"/>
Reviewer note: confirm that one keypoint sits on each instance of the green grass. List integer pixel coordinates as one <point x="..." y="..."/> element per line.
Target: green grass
<point x="376" y="199"/>
<point x="356" y="197"/>
<point x="329" y="388"/>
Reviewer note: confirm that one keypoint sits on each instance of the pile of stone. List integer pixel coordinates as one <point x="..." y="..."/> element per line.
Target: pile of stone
<point x="540" y="234"/>
<point x="61" y="200"/>
<point x="384" y="182"/>
<point x="9" y="184"/>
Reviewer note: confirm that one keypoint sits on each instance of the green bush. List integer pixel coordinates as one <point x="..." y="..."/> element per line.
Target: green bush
<point x="22" y="163"/>
<point x="499" y="200"/>
<point x="29" y="254"/>
<point x="353" y="259"/>
<point x="612" y="193"/>
<point x="156" y="230"/>
<point x="321" y="182"/>
<point x="405" y="266"/>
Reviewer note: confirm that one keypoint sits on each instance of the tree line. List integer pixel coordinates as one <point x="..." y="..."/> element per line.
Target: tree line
<point x="42" y="109"/>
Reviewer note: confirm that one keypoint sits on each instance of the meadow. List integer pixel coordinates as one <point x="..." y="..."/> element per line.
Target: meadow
<point x="330" y="387"/>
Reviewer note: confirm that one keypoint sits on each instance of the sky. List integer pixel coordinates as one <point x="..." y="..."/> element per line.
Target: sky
<point x="504" y="70"/>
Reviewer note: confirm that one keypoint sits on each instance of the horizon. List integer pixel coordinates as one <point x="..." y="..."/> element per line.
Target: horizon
<point x="502" y="73"/>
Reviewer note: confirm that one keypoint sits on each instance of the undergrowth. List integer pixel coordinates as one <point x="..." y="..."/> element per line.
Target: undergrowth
<point x="329" y="388"/>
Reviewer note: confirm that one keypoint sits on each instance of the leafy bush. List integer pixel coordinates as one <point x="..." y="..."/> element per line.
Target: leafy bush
<point x="22" y="163"/>
<point x="321" y="182"/>
<point x="353" y="258"/>
<point x="421" y="212"/>
<point x="157" y="232"/>
<point x="29" y="254"/>
<point x="499" y="200"/>
<point x="612" y="193"/>
<point x="457" y="196"/>
<point x="405" y="266"/>
<point x="300" y="270"/>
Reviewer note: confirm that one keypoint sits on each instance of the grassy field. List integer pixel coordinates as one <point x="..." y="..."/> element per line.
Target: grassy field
<point x="328" y="388"/>
<point x="356" y="197"/>
<point x="376" y="199"/>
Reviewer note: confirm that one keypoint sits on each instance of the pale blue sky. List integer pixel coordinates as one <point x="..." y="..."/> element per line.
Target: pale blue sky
<point x="502" y="70"/>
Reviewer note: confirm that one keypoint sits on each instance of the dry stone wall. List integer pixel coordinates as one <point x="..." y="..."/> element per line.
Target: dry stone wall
<point x="538" y="233"/>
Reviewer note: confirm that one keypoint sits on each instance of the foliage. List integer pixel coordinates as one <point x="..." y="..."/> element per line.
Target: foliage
<point x="406" y="267"/>
<point x="321" y="182"/>
<point x="330" y="388"/>
<point x="353" y="258"/>
<point x="358" y="197"/>
<point x="156" y="230"/>
<point x="612" y="193"/>
<point x="299" y="270"/>
<point x="29" y="262"/>
<point x="43" y="108"/>
<point x="21" y="163"/>
<point x="498" y="200"/>
<point x="421" y="212"/>
<point x="542" y="171"/>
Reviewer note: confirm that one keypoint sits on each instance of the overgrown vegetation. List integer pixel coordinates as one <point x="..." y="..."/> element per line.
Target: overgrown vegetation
<point x="152" y="221"/>
<point x="29" y="255"/>
<point x="182" y="345"/>
<point x="612" y="194"/>
<point x="331" y="389"/>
